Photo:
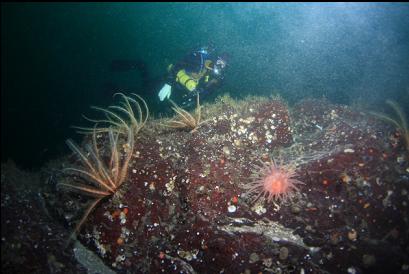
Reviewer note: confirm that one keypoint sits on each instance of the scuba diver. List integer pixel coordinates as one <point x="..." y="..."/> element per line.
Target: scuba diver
<point x="201" y="71"/>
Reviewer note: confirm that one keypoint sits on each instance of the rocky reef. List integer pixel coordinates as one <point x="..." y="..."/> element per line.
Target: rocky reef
<point x="183" y="207"/>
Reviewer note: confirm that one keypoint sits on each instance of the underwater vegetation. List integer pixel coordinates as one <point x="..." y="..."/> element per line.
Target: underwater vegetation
<point x="114" y="122"/>
<point x="105" y="178"/>
<point x="399" y="122"/>
<point x="184" y="119"/>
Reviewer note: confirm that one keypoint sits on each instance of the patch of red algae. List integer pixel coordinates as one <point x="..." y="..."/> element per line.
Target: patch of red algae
<point x="349" y="215"/>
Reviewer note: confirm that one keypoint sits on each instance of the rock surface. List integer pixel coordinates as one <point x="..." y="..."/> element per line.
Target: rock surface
<point x="183" y="208"/>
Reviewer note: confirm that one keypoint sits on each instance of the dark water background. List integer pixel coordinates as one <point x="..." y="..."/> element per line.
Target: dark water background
<point x="55" y="58"/>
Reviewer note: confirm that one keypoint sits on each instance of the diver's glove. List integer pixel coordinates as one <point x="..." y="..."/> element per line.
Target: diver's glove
<point x="165" y="92"/>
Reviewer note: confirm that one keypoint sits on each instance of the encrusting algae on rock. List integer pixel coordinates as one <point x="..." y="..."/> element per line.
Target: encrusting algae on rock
<point x="190" y="197"/>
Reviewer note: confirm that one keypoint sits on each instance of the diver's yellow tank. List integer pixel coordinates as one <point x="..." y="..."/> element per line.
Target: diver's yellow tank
<point x="185" y="80"/>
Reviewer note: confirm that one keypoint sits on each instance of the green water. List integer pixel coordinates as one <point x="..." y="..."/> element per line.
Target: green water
<point x="55" y="58"/>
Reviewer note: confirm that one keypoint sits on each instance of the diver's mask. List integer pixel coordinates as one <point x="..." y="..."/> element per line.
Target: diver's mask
<point x="203" y="50"/>
<point x="219" y="66"/>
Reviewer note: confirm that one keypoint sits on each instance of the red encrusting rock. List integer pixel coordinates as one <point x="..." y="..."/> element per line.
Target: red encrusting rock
<point x="186" y="210"/>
